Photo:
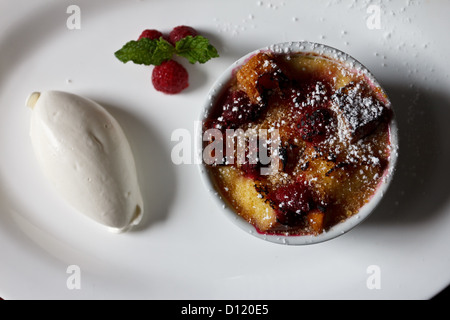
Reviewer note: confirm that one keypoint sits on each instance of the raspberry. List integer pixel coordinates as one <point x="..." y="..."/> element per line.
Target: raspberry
<point x="291" y="202"/>
<point x="151" y="34"/>
<point x="314" y="125"/>
<point x="270" y="82"/>
<point x="311" y="93"/>
<point x="251" y="171"/>
<point x="252" y="166"/>
<point x="170" y="77"/>
<point x="290" y="156"/>
<point x="181" y="32"/>
<point x="294" y="97"/>
<point x="238" y="110"/>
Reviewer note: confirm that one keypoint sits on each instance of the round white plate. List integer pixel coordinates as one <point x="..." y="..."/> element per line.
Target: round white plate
<point x="186" y="248"/>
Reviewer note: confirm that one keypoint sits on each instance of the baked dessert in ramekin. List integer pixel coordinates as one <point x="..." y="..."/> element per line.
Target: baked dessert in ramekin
<point x="299" y="141"/>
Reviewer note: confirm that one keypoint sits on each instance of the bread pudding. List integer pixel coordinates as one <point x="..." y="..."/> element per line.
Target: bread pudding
<point x="297" y="142"/>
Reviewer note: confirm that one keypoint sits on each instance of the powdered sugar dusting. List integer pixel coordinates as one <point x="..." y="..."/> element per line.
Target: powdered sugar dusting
<point x="333" y="136"/>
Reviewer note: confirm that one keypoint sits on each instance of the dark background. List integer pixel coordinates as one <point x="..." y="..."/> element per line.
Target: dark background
<point x="444" y="295"/>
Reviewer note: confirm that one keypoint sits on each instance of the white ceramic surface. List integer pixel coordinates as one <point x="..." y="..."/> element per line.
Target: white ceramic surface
<point x="352" y="64"/>
<point x="186" y="247"/>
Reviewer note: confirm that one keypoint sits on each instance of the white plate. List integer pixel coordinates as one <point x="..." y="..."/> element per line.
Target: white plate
<point x="186" y="248"/>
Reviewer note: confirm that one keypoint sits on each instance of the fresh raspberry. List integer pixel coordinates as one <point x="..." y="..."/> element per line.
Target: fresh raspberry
<point x="151" y="34"/>
<point x="181" y="32"/>
<point x="170" y="77"/>
<point x="291" y="202"/>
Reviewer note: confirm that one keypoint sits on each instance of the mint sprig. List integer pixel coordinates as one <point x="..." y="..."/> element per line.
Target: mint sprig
<point x="154" y="52"/>
<point x="196" y="49"/>
<point x="146" y="51"/>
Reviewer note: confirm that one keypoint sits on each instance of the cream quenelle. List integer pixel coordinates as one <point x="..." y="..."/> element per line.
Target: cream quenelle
<point x="84" y="152"/>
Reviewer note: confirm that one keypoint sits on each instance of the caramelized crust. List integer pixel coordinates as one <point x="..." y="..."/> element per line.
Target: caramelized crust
<point x="242" y="193"/>
<point x="249" y="75"/>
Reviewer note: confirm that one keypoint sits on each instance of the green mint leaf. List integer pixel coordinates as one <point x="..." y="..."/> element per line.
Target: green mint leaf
<point x="146" y="51"/>
<point x="164" y="51"/>
<point x="195" y="49"/>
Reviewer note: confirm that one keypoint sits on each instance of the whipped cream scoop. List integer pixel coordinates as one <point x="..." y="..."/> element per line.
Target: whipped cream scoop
<point x="84" y="152"/>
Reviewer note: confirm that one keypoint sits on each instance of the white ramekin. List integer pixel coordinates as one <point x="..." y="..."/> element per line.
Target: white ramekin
<point x="340" y="228"/>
